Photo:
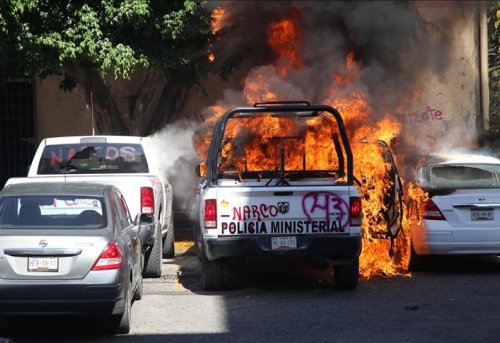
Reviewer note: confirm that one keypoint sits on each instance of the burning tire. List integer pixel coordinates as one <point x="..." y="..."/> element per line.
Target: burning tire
<point x="346" y="275"/>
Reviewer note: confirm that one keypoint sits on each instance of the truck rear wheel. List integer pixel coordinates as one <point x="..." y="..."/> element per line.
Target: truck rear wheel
<point x="153" y="257"/>
<point x="169" y="240"/>
<point x="346" y="275"/>
<point x="211" y="274"/>
<point x="198" y="239"/>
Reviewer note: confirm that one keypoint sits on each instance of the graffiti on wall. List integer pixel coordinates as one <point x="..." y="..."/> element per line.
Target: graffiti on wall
<point x="425" y="127"/>
<point x="429" y="115"/>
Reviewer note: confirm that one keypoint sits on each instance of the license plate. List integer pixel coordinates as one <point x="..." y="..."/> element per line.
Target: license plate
<point x="284" y="243"/>
<point x="43" y="264"/>
<point x="482" y="215"/>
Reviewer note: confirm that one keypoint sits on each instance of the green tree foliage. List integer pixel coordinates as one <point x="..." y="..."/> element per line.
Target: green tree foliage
<point x="90" y="42"/>
<point x="494" y="69"/>
<point x="491" y="137"/>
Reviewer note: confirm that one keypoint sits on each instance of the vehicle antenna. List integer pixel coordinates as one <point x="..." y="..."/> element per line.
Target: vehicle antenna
<point x="92" y="112"/>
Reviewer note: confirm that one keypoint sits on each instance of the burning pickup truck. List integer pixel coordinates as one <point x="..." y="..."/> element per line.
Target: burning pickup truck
<point x="280" y="201"/>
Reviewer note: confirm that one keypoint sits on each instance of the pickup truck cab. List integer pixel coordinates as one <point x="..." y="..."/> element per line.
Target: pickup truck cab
<point x="277" y="184"/>
<point x="123" y="161"/>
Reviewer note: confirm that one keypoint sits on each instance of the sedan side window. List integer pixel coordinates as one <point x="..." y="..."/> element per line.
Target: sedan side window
<point x="125" y="209"/>
<point x="122" y="209"/>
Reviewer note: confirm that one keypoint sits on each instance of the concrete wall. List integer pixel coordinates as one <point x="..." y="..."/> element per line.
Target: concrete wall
<point x="448" y="112"/>
<point x="60" y="113"/>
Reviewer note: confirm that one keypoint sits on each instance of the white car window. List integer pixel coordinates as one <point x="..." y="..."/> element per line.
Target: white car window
<point x="464" y="176"/>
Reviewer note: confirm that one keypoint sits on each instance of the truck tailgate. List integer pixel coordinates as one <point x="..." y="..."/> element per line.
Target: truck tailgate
<point x="283" y="210"/>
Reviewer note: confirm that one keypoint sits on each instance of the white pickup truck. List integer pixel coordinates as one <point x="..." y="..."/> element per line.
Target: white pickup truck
<point x="123" y="161"/>
<point x="277" y="185"/>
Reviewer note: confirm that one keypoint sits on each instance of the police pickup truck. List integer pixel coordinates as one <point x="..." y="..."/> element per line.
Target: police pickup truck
<point x="123" y="161"/>
<point x="277" y="185"/>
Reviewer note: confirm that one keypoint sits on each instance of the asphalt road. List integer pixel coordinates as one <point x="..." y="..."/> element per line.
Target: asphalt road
<point x="455" y="300"/>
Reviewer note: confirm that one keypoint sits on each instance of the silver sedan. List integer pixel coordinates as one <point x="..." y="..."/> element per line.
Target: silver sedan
<point x="69" y="248"/>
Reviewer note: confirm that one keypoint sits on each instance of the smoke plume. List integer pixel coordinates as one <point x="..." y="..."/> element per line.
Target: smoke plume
<point x="176" y="160"/>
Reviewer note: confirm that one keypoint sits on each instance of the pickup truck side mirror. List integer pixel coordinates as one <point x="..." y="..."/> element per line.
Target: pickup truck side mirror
<point x="144" y="218"/>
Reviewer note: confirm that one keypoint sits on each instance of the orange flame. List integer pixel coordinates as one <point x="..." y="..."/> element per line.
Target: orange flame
<point x="284" y="39"/>
<point x="218" y="18"/>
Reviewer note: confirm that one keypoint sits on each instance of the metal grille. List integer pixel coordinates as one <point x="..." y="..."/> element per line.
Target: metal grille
<point x="17" y="128"/>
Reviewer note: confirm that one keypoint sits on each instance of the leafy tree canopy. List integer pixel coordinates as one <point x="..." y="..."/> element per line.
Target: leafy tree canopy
<point x="494" y="37"/>
<point x="113" y="36"/>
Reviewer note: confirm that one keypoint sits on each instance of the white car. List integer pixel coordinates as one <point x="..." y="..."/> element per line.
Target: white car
<point x="462" y="214"/>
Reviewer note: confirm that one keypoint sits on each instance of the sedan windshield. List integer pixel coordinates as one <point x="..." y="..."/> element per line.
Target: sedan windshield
<point x="463" y="176"/>
<point x="72" y="212"/>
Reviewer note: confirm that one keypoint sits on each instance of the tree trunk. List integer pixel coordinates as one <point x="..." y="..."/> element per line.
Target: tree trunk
<point x="172" y="101"/>
<point x="155" y="103"/>
<point x="143" y="105"/>
<point x="107" y="119"/>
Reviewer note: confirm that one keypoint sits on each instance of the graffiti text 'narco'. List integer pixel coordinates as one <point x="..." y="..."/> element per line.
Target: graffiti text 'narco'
<point x="255" y="212"/>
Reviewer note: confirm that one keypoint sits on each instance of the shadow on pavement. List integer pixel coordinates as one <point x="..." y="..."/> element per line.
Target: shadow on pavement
<point x="264" y="276"/>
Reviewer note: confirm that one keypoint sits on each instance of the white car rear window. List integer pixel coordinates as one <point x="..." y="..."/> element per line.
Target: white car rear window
<point x="464" y="176"/>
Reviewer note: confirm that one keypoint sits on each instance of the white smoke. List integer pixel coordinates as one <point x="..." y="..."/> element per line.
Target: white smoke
<point x="175" y="160"/>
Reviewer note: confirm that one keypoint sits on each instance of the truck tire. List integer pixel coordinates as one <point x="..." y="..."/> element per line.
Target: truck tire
<point x="346" y="275"/>
<point x="211" y="274"/>
<point x="197" y="241"/>
<point x="152" y="268"/>
<point x="169" y="240"/>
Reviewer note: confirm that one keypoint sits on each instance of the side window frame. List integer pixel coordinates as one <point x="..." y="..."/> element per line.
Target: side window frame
<point x="122" y="209"/>
<point x="125" y="208"/>
<point x="120" y="215"/>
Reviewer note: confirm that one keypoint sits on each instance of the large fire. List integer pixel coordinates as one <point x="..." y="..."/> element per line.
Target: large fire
<point x="370" y="167"/>
<point x="284" y="39"/>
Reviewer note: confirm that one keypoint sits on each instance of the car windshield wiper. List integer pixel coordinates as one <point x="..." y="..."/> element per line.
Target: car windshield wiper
<point x="67" y="168"/>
